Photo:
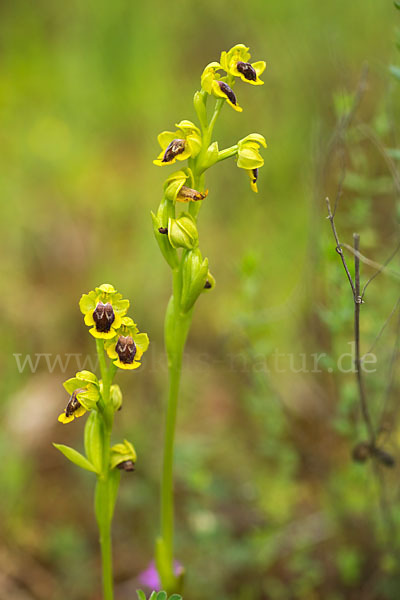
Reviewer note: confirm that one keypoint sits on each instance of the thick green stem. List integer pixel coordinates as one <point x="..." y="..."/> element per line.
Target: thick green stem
<point x="103" y="501"/>
<point x="167" y="504"/>
<point x="177" y="324"/>
<point x="106" y="376"/>
<point x="104" y="524"/>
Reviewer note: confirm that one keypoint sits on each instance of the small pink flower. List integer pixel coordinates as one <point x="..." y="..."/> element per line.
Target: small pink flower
<point x="150" y="579"/>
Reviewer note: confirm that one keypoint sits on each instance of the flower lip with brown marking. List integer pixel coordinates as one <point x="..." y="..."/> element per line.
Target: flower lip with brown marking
<point x="247" y="70"/>
<point x="173" y="149"/>
<point x="126" y="349"/>
<point x="73" y="402"/>
<point x="187" y="194"/>
<point x="163" y="230"/>
<point x="225" y="89"/>
<point x="126" y="465"/>
<point x="255" y="175"/>
<point x="103" y="317"/>
<point x="207" y="285"/>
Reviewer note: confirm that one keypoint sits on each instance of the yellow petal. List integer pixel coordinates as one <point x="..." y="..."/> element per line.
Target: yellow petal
<point x="101" y="335"/>
<point x="194" y="145"/>
<point x="64" y="419"/>
<point x="259" y="67"/>
<point x="79" y="412"/>
<point x="160" y="163"/>
<point x="183" y="155"/>
<point x="128" y="367"/>
<point x="235" y="106"/>
<point x="254" y="187"/>
<point x="111" y="351"/>
<point x="166" y="137"/>
<point x="117" y="321"/>
<point x="89" y="319"/>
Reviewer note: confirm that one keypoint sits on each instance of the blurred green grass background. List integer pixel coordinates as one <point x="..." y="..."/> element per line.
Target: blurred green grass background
<point x="269" y="505"/>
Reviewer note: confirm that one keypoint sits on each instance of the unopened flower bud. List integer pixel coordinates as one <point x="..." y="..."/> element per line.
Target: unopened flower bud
<point x="247" y="70"/>
<point x="173" y="149"/>
<point x="210" y="282"/>
<point x="126" y="349"/>
<point x="199" y="102"/>
<point x="103" y="316"/>
<point x="182" y="232"/>
<point x="194" y="276"/>
<point x="187" y="194"/>
<point x="225" y="89"/>
<point x="123" y="456"/>
<point x="116" y="396"/>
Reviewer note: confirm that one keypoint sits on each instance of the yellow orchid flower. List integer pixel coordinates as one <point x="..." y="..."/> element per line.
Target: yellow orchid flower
<point x="103" y="308"/>
<point x="249" y="157"/>
<point x="236" y="62"/>
<point x="128" y="346"/>
<point x="84" y="395"/>
<point x="181" y="144"/>
<point x="213" y="83"/>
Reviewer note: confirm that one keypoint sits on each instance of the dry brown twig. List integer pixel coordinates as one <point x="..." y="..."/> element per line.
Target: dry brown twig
<point x="379" y="457"/>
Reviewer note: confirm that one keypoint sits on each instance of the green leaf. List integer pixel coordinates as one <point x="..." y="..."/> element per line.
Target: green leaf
<point x="113" y="483"/>
<point x="75" y="457"/>
<point x="175" y="597"/>
<point x="165" y="210"/>
<point x="397" y="4"/>
<point x="94" y="440"/>
<point x="141" y="595"/>
<point x="153" y="596"/>
<point x="162" y="596"/>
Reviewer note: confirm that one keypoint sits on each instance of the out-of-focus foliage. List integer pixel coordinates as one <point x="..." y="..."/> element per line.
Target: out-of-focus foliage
<point x="269" y="503"/>
<point x="158" y="596"/>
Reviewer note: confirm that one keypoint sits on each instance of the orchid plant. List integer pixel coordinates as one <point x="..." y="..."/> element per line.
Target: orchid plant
<point x="119" y="346"/>
<point x="177" y="236"/>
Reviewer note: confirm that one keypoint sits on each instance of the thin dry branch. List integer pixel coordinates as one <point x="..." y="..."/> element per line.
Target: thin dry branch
<point x="380" y="268"/>
<point x="339" y="250"/>
<point x="360" y="380"/>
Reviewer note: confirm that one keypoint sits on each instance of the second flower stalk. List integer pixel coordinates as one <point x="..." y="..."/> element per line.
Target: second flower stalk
<point x="178" y="239"/>
<point x="119" y="345"/>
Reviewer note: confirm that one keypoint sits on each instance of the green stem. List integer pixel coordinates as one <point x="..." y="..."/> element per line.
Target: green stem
<point x="107" y="375"/>
<point x="102" y="495"/>
<point x="177" y="325"/>
<point x="218" y="106"/>
<point x="104" y="525"/>
<point x="227" y="153"/>
<point x="167" y="505"/>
